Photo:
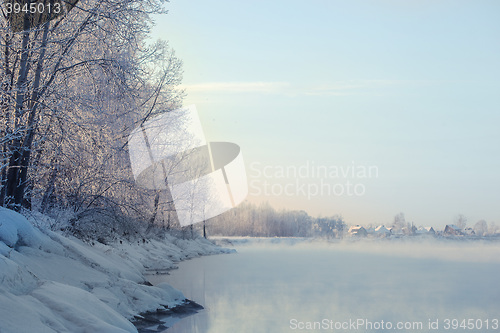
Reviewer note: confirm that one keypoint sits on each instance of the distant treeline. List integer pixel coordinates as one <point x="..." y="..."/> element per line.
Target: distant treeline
<point x="264" y="221"/>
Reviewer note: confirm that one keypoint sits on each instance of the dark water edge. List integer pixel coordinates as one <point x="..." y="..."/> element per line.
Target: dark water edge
<point x="160" y="320"/>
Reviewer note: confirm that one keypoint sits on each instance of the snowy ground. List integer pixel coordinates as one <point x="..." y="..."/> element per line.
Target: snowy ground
<point x="53" y="283"/>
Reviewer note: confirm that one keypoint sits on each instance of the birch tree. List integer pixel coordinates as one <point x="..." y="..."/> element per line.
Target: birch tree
<point x="72" y="89"/>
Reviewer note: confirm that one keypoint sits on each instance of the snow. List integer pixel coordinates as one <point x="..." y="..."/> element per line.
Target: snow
<point x="355" y="228"/>
<point x="55" y="307"/>
<point x="54" y="283"/>
<point x="16" y="230"/>
<point x="382" y="230"/>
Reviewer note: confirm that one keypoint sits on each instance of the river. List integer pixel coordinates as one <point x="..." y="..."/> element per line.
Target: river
<point x="377" y="287"/>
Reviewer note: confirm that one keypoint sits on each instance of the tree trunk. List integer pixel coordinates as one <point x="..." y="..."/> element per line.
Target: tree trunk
<point x="155" y="212"/>
<point x="12" y="181"/>
<point x="50" y="185"/>
<point x="6" y="114"/>
<point x="32" y="124"/>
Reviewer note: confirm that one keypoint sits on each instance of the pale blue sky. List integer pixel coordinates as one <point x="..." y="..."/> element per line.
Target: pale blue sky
<point x="411" y="87"/>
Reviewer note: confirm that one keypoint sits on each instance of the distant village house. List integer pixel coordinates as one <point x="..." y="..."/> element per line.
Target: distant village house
<point x="453" y="230"/>
<point x="382" y="231"/>
<point x="357" y="231"/>
<point x="426" y="231"/>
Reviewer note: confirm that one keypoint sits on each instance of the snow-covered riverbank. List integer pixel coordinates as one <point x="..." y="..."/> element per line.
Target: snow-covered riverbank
<point x="53" y="283"/>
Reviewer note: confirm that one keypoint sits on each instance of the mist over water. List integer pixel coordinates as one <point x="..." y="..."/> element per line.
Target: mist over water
<point x="268" y="283"/>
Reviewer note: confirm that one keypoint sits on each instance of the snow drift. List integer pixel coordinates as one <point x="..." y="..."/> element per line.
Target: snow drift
<point x="53" y="283"/>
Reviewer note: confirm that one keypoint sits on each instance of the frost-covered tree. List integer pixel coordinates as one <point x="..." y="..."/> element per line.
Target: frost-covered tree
<point x="399" y="223"/>
<point x="72" y="89"/>
<point x="265" y="221"/>
<point x="493" y="229"/>
<point x="481" y="228"/>
<point x="328" y="226"/>
<point x="461" y="221"/>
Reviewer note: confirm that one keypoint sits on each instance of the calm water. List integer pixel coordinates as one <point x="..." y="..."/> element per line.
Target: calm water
<point x="277" y="288"/>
